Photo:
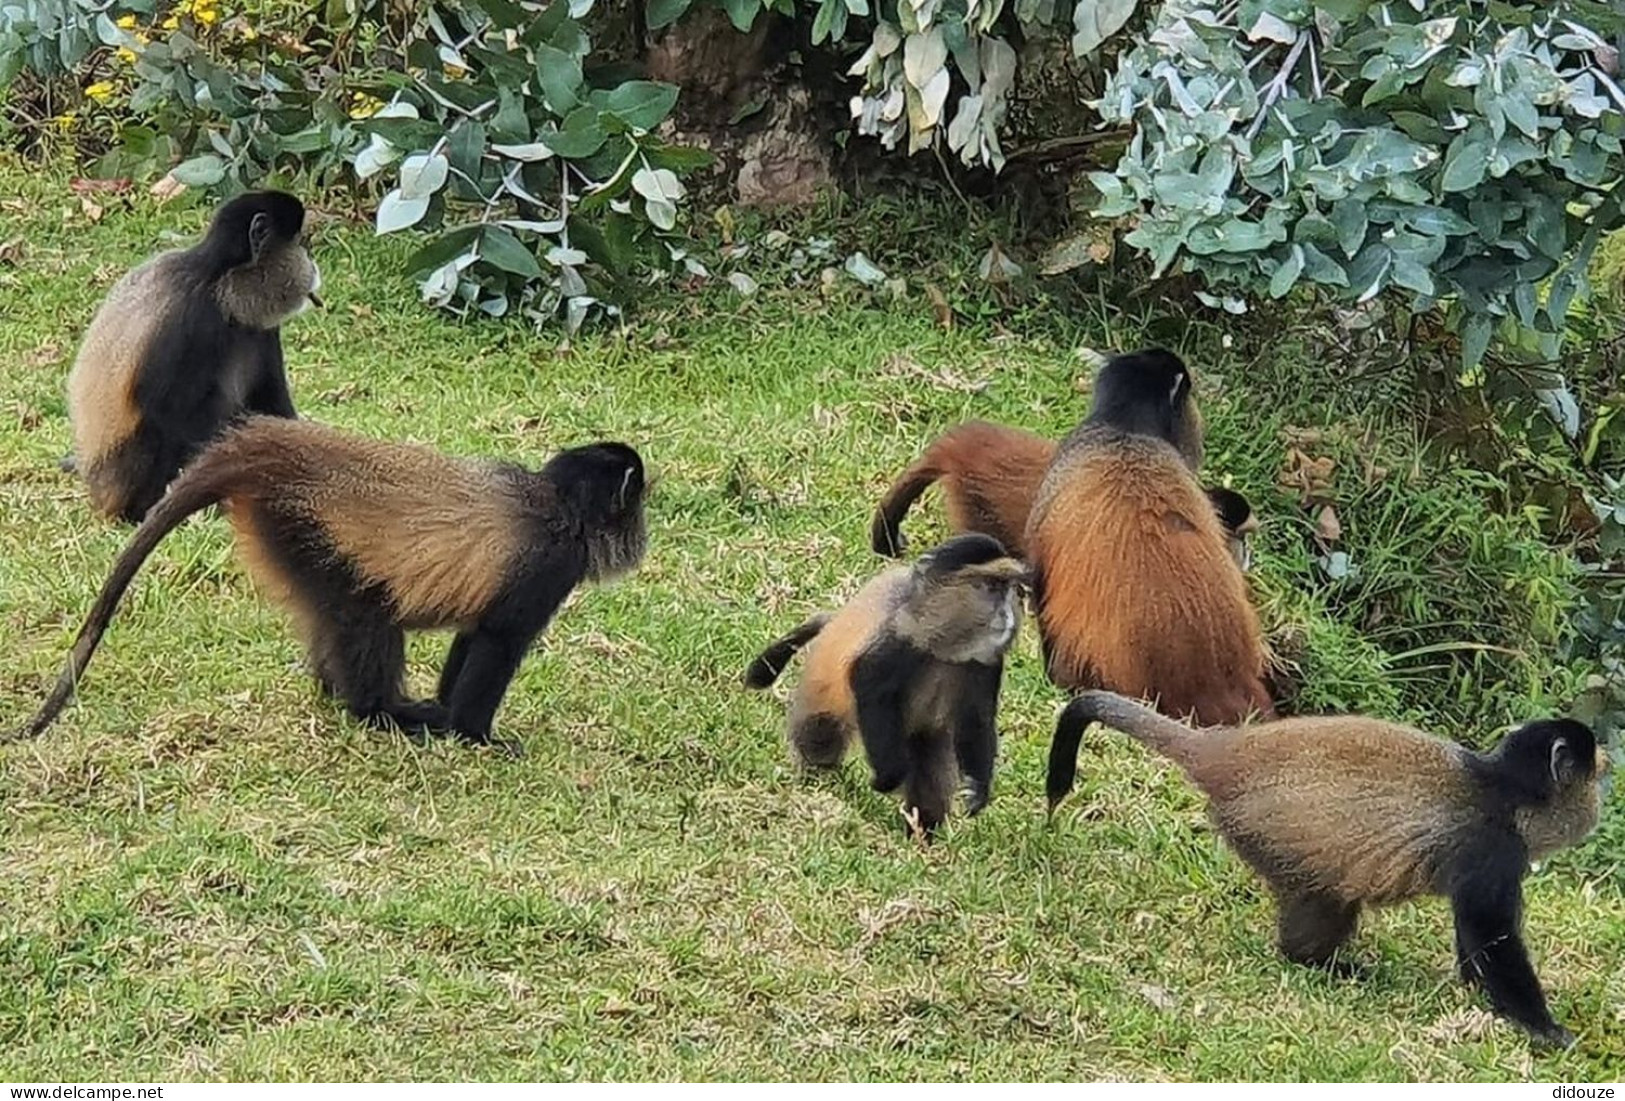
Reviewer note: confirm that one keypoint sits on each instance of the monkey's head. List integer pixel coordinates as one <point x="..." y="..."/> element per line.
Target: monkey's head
<point x="963" y="600"/>
<point x="1149" y="392"/>
<point x="1239" y="523"/>
<point x="603" y="487"/>
<point x="255" y="252"/>
<point x="1552" y="771"/>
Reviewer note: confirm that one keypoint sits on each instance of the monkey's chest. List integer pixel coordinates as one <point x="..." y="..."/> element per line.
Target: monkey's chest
<point x="936" y="695"/>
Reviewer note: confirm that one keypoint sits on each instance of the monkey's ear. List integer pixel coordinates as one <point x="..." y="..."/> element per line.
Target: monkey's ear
<point x="1564" y="765"/>
<point x="1179" y="384"/>
<point x="259" y="234"/>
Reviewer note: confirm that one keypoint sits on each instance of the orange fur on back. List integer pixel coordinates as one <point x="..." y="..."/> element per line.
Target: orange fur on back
<point x="1138" y="592"/>
<point x="826" y="684"/>
<point x="990" y="474"/>
<point x="439" y="533"/>
<point x="1342" y="804"/>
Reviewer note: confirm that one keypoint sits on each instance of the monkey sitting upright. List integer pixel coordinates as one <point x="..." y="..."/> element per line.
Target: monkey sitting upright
<point x="363" y="540"/>
<point x="183" y="345"/>
<point x="1134" y="586"/>
<point x="1340" y="811"/>
<point x="989" y="474"/>
<point x="912" y="664"/>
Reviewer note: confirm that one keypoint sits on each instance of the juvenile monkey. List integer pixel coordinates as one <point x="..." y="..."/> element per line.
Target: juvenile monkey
<point x="183" y="345"/>
<point x="1340" y="812"/>
<point x="912" y="665"/>
<point x="363" y="540"/>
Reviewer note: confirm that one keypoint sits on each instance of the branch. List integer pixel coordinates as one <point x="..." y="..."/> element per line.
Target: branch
<point x="1277" y="85"/>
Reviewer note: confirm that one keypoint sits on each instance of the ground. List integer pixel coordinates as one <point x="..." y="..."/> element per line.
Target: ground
<point x="206" y="871"/>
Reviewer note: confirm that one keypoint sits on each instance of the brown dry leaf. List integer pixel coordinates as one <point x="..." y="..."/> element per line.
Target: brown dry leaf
<point x="28" y="417"/>
<point x="1328" y="529"/>
<point x="11" y="252"/>
<point x="167" y="188"/>
<point x="360" y="309"/>
<point x="939" y="305"/>
<point x="1311" y="477"/>
<point x="901" y="366"/>
<point x="90" y="208"/>
<point x="1157" y="996"/>
<point x="83" y="185"/>
<point x="43" y="355"/>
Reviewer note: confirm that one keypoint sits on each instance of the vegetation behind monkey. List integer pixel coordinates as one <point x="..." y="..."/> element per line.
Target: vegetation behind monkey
<point x="1337" y="812"/>
<point x="363" y="540"/>
<point x="184" y="344"/>
<point x="913" y="665"/>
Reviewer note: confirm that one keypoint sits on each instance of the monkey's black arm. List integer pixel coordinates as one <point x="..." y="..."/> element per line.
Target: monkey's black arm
<point x="880" y="677"/>
<point x="270" y="393"/>
<point x="1488" y="902"/>
<point x="976" y="734"/>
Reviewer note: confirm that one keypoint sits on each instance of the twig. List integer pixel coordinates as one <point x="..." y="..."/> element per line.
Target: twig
<point x="1056" y="148"/>
<point x="1277" y="85"/>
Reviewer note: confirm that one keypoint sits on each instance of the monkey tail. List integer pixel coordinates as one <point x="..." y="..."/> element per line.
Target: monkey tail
<point x="771" y="662"/>
<point x="197" y="488"/>
<point x="1143" y="723"/>
<point x="885" y="533"/>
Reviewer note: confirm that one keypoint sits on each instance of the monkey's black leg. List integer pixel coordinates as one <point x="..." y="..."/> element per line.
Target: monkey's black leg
<point x="453" y="667"/>
<point x="1488" y="905"/>
<point x="361" y="654"/>
<point x="879" y="676"/>
<point x="930" y="787"/>
<point x="1313" y="926"/>
<point x="489" y="663"/>
<point x="976" y="735"/>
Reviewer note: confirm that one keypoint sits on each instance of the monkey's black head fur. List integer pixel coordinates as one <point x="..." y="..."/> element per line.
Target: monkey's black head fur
<point x="1543" y="758"/>
<point x="1231" y="506"/>
<point x="955" y="554"/>
<point x="243" y="226"/>
<point x="602" y="480"/>
<point x="1146" y="392"/>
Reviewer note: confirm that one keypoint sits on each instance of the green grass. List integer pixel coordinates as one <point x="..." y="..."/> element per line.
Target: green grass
<point x="208" y="872"/>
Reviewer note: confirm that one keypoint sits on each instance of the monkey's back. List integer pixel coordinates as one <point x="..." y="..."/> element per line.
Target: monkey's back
<point x="990" y="474"/>
<point x="1349" y="805"/>
<point x="826" y="680"/>
<point x="438" y="533"/>
<point x="1136" y="588"/>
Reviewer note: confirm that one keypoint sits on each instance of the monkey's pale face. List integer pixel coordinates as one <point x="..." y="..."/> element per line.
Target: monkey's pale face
<point x="970" y="619"/>
<point x="281" y="285"/>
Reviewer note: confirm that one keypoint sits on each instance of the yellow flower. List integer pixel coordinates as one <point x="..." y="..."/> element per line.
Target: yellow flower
<point x="171" y="21"/>
<point x="207" y="18"/>
<point x="67" y="121"/>
<point x="101" y="91"/>
<point x="126" y="22"/>
<point x="364" y="106"/>
<point x="453" y="72"/>
<point x="125" y="55"/>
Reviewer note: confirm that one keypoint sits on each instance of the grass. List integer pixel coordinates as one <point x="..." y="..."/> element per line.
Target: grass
<point x="208" y="872"/>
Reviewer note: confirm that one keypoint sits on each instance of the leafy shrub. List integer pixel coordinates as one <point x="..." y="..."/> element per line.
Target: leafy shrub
<point x="543" y="188"/>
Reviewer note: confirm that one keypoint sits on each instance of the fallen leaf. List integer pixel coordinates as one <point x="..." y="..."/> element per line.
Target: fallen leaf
<point x="167" y="188"/>
<point x="11" y="252"/>
<point x="939" y="305"/>
<point x="91" y="209"/>
<point x="1157" y="996"/>
<point x="1327" y="527"/>
<point x="84" y="185"/>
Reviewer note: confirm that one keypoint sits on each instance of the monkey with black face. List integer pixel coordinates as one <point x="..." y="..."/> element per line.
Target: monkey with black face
<point x="1339" y="812"/>
<point x="990" y="474"/>
<point x="1134" y="583"/>
<point x="183" y="345"/>
<point x="912" y="665"/>
<point x="363" y="540"/>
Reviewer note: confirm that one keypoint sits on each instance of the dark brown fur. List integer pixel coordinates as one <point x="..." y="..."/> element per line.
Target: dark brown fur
<point x="362" y="540"/>
<point x="1134" y="581"/>
<point x="1340" y="812"/>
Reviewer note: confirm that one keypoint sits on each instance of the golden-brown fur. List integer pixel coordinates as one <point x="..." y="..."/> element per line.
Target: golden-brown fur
<point x="102" y="381"/>
<point x="1140" y="592"/>
<point x="826" y="678"/>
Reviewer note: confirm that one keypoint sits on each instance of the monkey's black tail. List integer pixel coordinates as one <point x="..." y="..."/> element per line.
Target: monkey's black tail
<point x="886" y="531"/>
<point x="197" y="488"/>
<point x="1143" y="723"/>
<point x="771" y="662"/>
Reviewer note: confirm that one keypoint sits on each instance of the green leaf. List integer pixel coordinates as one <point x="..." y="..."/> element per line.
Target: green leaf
<point x="1465" y="162"/>
<point x="1320" y="268"/>
<point x="663" y="13"/>
<point x="580" y="136"/>
<point x="204" y="171"/>
<point x="560" y="76"/>
<point x="1369" y="271"/>
<point x="441" y="250"/>
<point x="1094" y="21"/>
<point x="742" y="12"/>
<point x="501" y="249"/>
<point x="1349" y="217"/>
<point x="641" y="104"/>
<point x="1286" y="274"/>
<point x="830" y="22"/>
<point x="679" y="158"/>
<point x="465" y="145"/>
<point x="1475" y="339"/>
